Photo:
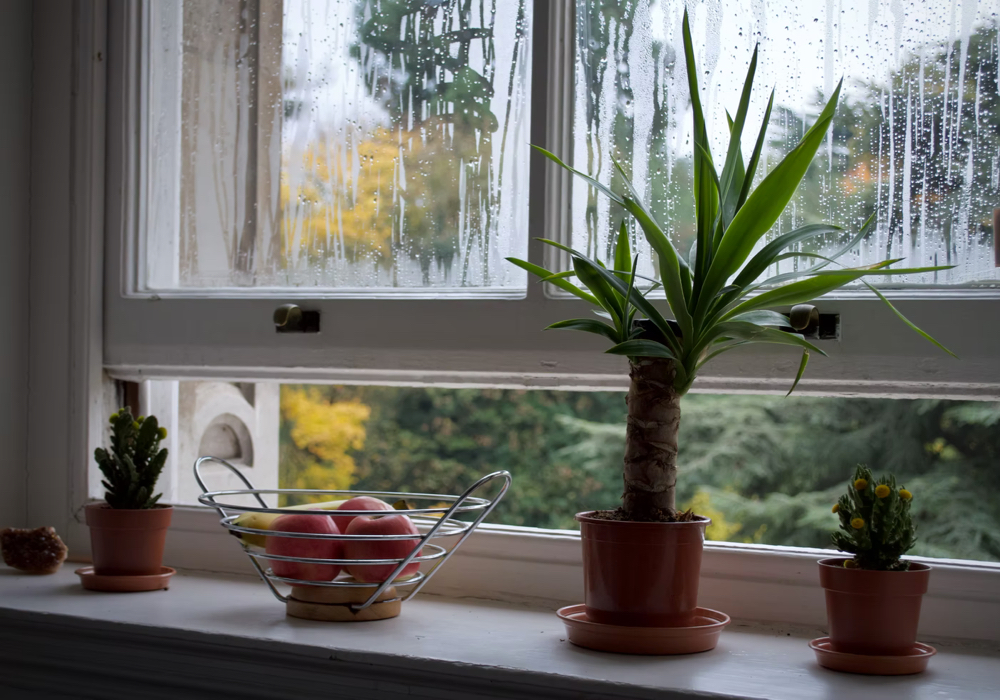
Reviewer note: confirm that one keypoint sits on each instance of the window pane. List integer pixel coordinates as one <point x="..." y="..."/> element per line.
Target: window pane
<point x="916" y="136"/>
<point x="766" y="469"/>
<point x="352" y="146"/>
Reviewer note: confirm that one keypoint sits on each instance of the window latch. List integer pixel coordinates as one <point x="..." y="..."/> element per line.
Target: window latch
<point x="289" y="318"/>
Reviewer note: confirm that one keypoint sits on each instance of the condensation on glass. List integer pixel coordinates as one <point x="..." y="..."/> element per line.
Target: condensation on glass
<point x="916" y="136"/>
<point x="347" y="146"/>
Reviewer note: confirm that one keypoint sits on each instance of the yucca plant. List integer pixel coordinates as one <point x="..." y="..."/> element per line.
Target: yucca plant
<point x="715" y="294"/>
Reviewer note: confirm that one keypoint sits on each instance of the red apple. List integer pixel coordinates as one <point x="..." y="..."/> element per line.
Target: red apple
<point x="357" y="503"/>
<point x="380" y="549"/>
<point x="302" y="547"/>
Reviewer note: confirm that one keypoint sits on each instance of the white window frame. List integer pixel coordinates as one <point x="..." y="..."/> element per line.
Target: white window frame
<point x="79" y="343"/>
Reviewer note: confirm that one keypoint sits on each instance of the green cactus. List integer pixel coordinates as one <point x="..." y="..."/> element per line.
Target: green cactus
<point x="875" y="522"/>
<point x="134" y="463"/>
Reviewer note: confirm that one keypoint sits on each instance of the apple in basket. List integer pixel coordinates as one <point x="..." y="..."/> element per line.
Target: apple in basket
<point x="357" y="503"/>
<point x="380" y="549"/>
<point x="306" y="548"/>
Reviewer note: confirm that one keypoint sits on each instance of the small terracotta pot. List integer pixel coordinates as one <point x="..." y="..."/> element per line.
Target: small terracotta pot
<point x="641" y="574"/>
<point x="873" y="612"/>
<point x="125" y="542"/>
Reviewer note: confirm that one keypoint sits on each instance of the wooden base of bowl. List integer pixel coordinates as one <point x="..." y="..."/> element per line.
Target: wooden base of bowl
<point x="333" y="604"/>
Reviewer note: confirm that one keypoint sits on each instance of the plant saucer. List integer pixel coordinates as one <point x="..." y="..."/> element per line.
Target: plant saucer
<point x="125" y="584"/>
<point x="701" y="635"/>
<point x="871" y="664"/>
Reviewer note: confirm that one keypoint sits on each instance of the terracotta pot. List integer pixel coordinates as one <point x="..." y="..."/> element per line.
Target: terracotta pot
<point x="873" y="612"/>
<point x="641" y="574"/>
<point x="125" y="542"/>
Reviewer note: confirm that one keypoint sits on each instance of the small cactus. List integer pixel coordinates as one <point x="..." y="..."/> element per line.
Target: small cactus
<point x="875" y="522"/>
<point x="134" y="463"/>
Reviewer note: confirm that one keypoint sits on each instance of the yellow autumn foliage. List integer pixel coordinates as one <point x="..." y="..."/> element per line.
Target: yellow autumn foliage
<point x="350" y="212"/>
<point x="325" y="432"/>
<point x="720" y="529"/>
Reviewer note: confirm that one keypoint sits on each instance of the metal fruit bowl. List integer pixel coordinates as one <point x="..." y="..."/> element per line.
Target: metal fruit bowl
<point x="437" y="523"/>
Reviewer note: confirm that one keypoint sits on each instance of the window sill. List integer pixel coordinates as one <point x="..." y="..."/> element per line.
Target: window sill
<point x="228" y="632"/>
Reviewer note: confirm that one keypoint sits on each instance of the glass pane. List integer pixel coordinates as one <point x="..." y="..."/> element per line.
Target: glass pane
<point x="766" y="469"/>
<point x="352" y="146"/>
<point x="916" y="136"/>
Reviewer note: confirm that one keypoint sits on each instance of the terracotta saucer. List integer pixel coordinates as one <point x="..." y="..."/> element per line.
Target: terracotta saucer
<point x="701" y="635"/>
<point x="914" y="662"/>
<point x="125" y="584"/>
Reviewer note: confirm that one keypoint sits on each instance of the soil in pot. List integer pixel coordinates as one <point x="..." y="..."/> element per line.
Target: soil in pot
<point x="127" y="542"/>
<point x="873" y="612"/>
<point x="641" y="574"/>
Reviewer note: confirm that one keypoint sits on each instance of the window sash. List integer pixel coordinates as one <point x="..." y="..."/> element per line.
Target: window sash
<point x="461" y="340"/>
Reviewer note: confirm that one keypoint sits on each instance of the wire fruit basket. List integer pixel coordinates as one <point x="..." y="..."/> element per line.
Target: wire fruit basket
<point x="345" y="598"/>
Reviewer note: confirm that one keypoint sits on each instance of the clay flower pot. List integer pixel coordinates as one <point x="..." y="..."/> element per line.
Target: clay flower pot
<point x="641" y="574"/>
<point x="873" y="612"/>
<point x="127" y="542"/>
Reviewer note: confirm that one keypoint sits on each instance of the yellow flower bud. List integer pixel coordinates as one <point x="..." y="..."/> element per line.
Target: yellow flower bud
<point x="836" y="507"/>
<point x="162" y="432"/>
<point x="850" y="564"/>
<point x="135" y="425"/>
<point x="905" y="495"/>
<point x="861" y="484"/>
<point x="857" y="523"/>
<point x="141" y="418"/>
<point x="882" y="490"/>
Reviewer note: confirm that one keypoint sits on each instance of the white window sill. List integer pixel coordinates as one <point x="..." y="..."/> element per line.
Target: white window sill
<point x="228" y="634"/>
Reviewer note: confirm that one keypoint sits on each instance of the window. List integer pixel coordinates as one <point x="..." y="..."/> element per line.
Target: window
<point x="915" y="137"/>
<point x="213" y="324"/>
<point x="253" y="192"/>
<point x="766" y="469"/>
<point x="336" y="145"/>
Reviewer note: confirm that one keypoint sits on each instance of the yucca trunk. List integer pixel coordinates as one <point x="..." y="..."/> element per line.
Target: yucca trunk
<point x="654" y="416"/>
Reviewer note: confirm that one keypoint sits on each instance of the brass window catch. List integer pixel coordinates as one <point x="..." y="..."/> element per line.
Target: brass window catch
<point x="289" y="318"/>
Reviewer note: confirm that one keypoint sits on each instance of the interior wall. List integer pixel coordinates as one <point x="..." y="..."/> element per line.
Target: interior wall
<point x="15" y="168"/>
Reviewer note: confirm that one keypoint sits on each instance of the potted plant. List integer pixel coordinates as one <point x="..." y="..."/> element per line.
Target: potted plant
<point x="873" y="599"/>
<point x="642" y="560"/>
<point x="128" y="530"/>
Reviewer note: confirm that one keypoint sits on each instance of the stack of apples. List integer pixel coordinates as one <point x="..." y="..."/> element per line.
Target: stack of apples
<point x="368" y="525"/>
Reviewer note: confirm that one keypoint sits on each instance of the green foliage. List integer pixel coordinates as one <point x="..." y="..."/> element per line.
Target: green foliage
<point x="710" y="293"/>
<point x="775" y="465"/>
<point x="134" y="463"/>
<point x="875" y="524"/>
<point x="772" y="465"/>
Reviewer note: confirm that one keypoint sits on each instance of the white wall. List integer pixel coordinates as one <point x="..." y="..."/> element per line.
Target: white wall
<point x="15" y="135"/>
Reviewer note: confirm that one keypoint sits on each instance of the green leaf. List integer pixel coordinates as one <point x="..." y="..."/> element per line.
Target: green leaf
<point x="755" y="156"/>
<point x="670" y="265"/>
<point x="907" y="321"/>
<point x="623" y="253"/>
<point x="798" y="292"/>
<point x="897" y="271"/>
<point x="588" y="325"/>
<point x="802" y="369"/>
<point x="764" y="318"/>
<point x="644" y="348"/>
<point x="598" y="286"/>
<point x="766" y="255"/>
<point x="712" y="355"/>
<point x="758" y="334"/>
<point x="561" y="283"/>
<point x="731" y="181"/>
<point x="767" y="202"/>
<point x="591" y="181"/>
<point x="639" y="301"/>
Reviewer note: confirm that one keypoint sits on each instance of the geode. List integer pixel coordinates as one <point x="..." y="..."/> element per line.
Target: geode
<point x="38" y="551"/>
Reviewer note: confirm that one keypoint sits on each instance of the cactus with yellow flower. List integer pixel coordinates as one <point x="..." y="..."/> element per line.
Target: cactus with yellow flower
<point x="875" y="523"/>
<point x="133" y="465"/>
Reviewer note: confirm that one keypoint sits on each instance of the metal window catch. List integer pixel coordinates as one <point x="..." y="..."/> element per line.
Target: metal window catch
<point x="289" y="318"/>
